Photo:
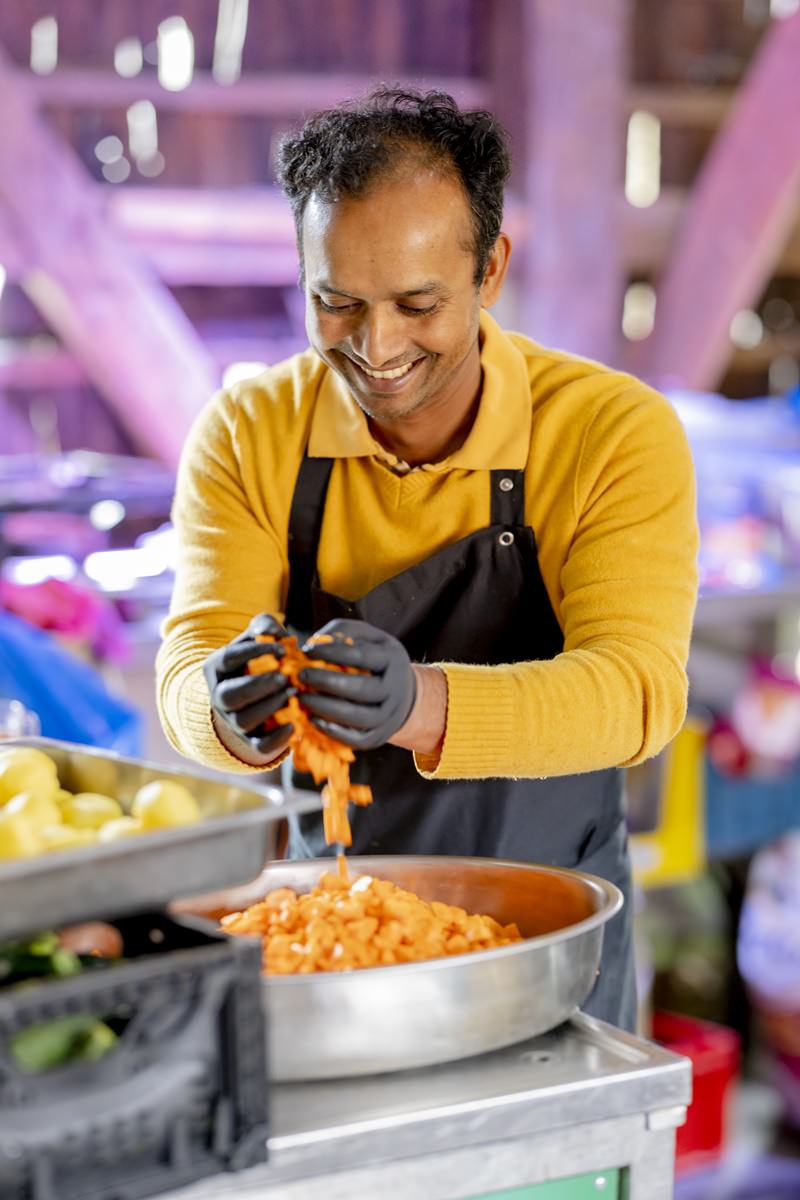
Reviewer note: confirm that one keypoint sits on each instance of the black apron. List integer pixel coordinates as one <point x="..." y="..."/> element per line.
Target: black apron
<point x="481" y="600"/>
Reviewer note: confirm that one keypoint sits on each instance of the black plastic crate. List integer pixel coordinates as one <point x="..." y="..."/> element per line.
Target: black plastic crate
<point x="181" y="1095"/>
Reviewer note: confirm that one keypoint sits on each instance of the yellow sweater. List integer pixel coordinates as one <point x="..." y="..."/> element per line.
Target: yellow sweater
<point x="610" y="496"/>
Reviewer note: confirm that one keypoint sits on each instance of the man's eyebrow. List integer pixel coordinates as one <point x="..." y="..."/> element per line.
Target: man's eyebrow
<point x="324" y="286"/>
<point x="426" y="289"/>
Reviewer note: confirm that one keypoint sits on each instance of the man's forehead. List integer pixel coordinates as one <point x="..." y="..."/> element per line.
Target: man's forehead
<point x="402" y="257"/>
<point x="400" y="205"/>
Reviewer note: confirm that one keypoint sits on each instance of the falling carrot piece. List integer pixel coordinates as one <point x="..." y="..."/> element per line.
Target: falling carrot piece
<point x="315" y="752"/>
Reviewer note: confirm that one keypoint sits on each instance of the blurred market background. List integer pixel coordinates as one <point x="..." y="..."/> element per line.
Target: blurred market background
<point x="147" y="258"/>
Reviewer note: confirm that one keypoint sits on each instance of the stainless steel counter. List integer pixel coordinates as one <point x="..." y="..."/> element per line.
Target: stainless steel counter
<point x="583" y="1099"/>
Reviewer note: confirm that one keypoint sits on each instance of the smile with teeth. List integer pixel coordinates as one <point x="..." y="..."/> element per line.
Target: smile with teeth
<point x="396" y="373"/>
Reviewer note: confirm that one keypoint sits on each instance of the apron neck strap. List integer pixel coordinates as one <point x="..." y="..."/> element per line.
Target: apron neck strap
<point x="508" y="497"/>
<point x="305" y="523"/>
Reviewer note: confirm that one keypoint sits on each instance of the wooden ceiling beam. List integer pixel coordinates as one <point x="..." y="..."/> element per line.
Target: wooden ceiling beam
<point x="576" y="61"/>
<point x="31" y="366"/>
<point x="27" y="366"/>
<point x="279" y="94"/>
<point x="681" y="105"/>
<point x="253" y="216"/>
<point x="136" y="344"/>
<point x="290" y="93"/>
<point x="771" y="346"/>
<point x="222" y="264"/>
<point x="737" y="220"/>
<point x="648" y="235"/>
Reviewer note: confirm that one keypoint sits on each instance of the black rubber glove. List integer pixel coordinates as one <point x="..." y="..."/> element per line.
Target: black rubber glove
<point x="244" y="702"/>
<point x="361" y="710"/>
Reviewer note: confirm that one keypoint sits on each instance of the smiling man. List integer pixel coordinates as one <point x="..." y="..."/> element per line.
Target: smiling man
<point x="500" y="536"/>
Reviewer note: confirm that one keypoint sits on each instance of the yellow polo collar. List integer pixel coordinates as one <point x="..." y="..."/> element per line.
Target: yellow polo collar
<point x="499" y="439"/>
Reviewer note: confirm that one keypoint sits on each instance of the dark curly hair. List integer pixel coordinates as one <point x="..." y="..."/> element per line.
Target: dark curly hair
<point x="342" y="151"/>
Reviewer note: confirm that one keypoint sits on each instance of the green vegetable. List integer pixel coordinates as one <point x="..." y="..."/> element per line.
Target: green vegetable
<point x="79" y="1038"/>
<point x="40" y="956"/>
<point x="61" y="1040"/>
<point x="98" y="1042"/>
<point x="43" y="955"/>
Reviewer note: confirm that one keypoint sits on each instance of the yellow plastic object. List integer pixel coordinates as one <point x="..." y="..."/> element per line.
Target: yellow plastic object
<point x="675" y="851"/>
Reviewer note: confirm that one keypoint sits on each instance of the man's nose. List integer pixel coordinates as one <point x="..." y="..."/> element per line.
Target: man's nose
<point x="378" y="339"/>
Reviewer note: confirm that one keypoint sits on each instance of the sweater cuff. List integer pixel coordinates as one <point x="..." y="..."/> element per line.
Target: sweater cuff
<point x="480" y="718"/>
<point x="202" y="740"/>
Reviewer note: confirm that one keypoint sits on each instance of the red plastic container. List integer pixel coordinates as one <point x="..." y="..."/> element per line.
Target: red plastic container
<point x="715" y="1052"/>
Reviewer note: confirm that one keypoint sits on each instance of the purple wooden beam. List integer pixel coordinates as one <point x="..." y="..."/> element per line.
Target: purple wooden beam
<point x="136" y="344"/>
<point x="32" y="368"/>
<point x="57" y="369"/>
<point x="258" y="215"/>
<point x="576" y="66"/>
<point x="222" y="264"/>
<point x="737" y="221"/>
<point x="276" y="94"/>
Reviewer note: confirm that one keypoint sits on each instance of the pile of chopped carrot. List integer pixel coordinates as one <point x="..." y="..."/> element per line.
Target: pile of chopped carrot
<point x="342" y="925"/>
<point x="321" y="756"/>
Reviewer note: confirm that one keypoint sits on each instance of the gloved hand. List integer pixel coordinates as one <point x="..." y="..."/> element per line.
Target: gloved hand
<point x="244" y="702"/>
<point x="362" y="710"/>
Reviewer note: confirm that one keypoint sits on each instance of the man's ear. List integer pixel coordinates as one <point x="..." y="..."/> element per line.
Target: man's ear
<point x="495" y="272"/>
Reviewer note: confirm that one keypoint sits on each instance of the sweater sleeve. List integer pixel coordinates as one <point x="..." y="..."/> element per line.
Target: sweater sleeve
<point x="231" y="565"/>
<point x="627" y="585"/>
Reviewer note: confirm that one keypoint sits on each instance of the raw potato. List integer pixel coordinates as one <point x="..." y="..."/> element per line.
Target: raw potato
<point x="88" y="810"/>
<point x="66" y="837"/>
<point x="23" y="769"/>
<point x="120" y="827"/>
<point x="162" y="804"/>
<point x="39" y="816"/>
<point x="37" y="808"/>
<point x="18" y="837"/>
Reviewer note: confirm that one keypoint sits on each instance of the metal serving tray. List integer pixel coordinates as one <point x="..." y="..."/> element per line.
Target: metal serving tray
<point x="329" y="1025"/>
<point x="230" y="845"/>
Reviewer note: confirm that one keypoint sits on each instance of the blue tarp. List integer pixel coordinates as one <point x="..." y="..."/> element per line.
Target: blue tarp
<point x="69" y="696"/>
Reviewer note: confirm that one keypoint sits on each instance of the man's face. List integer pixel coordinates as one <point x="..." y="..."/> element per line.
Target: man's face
<point x="391" y="302"/>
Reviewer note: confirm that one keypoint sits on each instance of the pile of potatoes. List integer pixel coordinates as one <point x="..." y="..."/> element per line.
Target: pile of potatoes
<point x="37" y="815"/>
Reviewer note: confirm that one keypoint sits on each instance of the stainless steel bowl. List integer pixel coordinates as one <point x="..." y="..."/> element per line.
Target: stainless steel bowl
<point x="363" y="1022"/>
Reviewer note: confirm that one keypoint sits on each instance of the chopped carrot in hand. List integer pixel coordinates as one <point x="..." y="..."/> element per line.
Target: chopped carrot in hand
<point x="323" y="757"/>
